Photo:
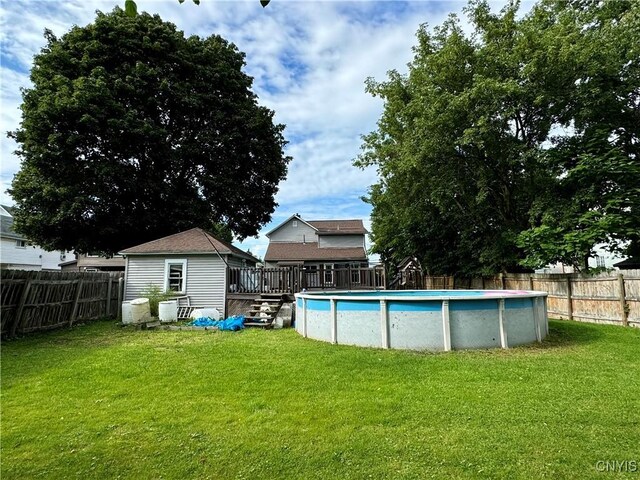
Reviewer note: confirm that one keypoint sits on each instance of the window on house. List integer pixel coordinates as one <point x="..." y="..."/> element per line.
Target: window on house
<point x="294" y="223"/>
<point x="175" y="274"/>
<point x="600" y="261"/>
<point x="21" y="244"/>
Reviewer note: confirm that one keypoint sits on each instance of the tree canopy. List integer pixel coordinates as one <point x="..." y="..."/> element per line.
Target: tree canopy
<point x="513" y="147"/>
<point x="131" y="132"/>
<point x="131" y="8"/>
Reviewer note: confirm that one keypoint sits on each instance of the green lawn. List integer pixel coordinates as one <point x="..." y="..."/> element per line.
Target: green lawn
<point x="100" y="401"/>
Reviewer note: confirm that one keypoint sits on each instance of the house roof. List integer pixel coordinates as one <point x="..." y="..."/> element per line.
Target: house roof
<point x="6" y="224"/>
<point x="195" y="241"/>
<point x="328" y="227"/>
<point x="628" y="264"/>
<point x="296" y="216"/>
<point x="338" y="227"/>
<point x="291" y="251"/>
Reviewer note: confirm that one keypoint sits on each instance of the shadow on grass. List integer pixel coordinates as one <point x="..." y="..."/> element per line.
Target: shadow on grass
<point x="564" y="333"/>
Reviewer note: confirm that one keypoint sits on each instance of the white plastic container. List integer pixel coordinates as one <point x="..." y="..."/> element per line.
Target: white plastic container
<point x="140" y="311"/>
<point x="168" y="311"/>
<point x="127" y="318"/>
<point x="211" y="313"/>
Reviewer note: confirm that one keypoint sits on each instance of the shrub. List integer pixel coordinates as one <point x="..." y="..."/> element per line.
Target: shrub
<point x="156" y="295"/>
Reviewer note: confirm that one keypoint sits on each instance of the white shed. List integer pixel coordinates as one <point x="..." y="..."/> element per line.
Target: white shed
<point x="193" y="264"/>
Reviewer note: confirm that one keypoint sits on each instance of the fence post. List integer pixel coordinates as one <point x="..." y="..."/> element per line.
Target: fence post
<point x="108" y="313"/>
<point x="23" y="300"/>
<point x="569" y="301"/>
<point x="530" y="282"/>
<point x="502" y="281"/>
<point x="74" y="312"/>
<point x="623" y="301"/>
<point x="120" y="293"/>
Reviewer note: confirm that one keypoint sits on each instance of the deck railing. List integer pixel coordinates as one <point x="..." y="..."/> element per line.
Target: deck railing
<point x="295" y="279"/>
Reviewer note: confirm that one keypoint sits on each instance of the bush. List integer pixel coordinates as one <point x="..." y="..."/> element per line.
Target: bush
<point x="155" y="295"/>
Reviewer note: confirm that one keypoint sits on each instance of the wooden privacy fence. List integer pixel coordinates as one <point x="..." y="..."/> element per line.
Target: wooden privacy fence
<point x="606" y="298"/>
<point x="33" y="301"/>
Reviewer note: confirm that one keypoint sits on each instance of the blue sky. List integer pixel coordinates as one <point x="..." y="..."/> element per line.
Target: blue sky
<point x="309" y="61"/>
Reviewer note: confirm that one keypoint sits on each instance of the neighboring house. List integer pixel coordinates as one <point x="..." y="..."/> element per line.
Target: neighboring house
<point x="193" y="264"/>
<point x="600" y="259"/>
<point x="628" y="264"/>
<point x="94" y="263"/>
<point x="17" y="252"/>
<point x="317" y="244"/>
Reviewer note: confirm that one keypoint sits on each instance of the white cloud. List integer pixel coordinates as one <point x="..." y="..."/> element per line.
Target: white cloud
<point x="309" y="61"/>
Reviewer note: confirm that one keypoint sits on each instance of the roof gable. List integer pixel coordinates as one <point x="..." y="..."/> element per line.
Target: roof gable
<point x="327" y="227"/>
<point x="295" y="216"/>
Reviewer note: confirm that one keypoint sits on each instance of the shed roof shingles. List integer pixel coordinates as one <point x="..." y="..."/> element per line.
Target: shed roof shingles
<point x="195" y="240"/>
<point x="291" y="251"/>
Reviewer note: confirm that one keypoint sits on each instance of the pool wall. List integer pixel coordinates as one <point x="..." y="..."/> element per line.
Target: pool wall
<point x="424" y="320"/>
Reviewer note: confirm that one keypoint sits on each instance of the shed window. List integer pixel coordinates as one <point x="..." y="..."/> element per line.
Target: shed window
<point x="175" y="274"/>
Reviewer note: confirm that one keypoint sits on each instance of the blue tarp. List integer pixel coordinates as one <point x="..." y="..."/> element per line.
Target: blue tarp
<point x="232" y="323"/>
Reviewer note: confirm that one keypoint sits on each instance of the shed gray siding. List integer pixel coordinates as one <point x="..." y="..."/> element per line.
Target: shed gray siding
<point x="340" y="241"/>
<point x="237" y="262"/>
<point x="206" y="277"/>
<point x="289" y="233"/>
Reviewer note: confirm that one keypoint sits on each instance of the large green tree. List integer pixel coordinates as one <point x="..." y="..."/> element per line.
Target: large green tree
<point x="477" y="140"/>
<point x="131" y="132"/>
<point x="595" y="154"/>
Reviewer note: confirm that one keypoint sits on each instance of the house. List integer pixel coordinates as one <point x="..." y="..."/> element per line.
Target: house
<point x="315" y="243"/>
<point x="193" y="264"/>
<point x="632" y="263"/>
<point x="94" y="263"/>
<point x="320" y="248"/>
<point x="17" y="252"/>
<point x="601" y="259"/>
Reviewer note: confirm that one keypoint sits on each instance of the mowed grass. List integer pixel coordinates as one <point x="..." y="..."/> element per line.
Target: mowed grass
<point x="100" y="401"/>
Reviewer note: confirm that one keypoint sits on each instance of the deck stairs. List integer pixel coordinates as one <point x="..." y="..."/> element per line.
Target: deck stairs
<point x="264" y="310"/>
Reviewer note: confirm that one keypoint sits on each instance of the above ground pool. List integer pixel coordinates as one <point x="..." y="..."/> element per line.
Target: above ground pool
<point x="424" y="319"/>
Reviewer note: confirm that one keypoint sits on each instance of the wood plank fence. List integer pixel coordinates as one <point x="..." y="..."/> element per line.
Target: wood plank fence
<point x="612" y="298"/>
<point x="33" y="301"/>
